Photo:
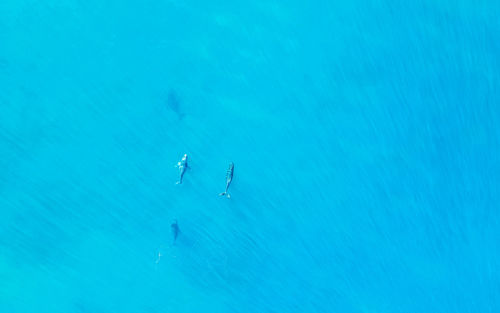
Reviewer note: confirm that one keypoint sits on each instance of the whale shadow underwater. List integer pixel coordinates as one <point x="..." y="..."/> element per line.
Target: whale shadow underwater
<point x="173" y="103"/>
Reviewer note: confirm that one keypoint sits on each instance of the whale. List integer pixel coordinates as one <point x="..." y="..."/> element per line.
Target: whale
<point x="175" y="230"/>
<point x="229" y="179"/>
<point x="183" y="166"/>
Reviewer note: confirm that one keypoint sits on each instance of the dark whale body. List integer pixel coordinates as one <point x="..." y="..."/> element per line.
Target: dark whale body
<point x="229" y="179"/>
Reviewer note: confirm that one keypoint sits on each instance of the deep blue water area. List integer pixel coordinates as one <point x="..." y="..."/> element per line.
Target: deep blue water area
<point x="365" y="137"/>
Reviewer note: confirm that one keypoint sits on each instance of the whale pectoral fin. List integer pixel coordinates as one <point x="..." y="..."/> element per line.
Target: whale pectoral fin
<point x="179" y="182"/>
<point x="222" y="193"/>
<point x="228" y="196"/>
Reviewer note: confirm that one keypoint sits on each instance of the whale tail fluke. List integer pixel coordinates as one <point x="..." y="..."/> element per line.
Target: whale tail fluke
<point x="222" y="193"/>
<point x="225" y="193"/>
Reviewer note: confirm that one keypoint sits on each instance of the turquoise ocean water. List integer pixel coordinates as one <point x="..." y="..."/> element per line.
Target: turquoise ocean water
<point x="365" y="137"/>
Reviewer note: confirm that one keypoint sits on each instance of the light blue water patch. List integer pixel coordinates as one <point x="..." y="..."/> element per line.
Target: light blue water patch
<point x="364" y="135"/>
